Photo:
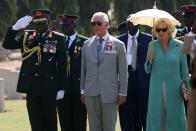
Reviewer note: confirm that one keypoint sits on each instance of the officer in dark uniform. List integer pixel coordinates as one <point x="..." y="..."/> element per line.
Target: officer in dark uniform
<point x="72" y="113"/>
<point x="189" y="47"/>
<point x="189" y="15"/>
<point x="43" y="66"/>
<point x="192" y="101"/>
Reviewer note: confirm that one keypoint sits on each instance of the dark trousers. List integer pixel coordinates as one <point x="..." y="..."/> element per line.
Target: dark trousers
<point x="42" y="112"/>
<point x="72" y="113"/>
<point x="133" y="112"/>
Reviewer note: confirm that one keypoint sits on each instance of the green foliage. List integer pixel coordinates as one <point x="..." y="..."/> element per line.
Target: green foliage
<point x="8" y="11"/>
<point x="11" y="10"/>
<point x="87" y="9"/>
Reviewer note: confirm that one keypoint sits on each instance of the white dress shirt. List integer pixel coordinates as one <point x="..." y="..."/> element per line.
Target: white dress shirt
<point x="72" y="38"/>
<point x="129" y="46"/>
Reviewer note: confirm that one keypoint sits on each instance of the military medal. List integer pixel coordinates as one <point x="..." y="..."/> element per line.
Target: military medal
<point x="54" y="49"/>
<point x="77" y="52"/>
<point x="75" y="49"/>
<point x="44" y="49"/>
<point x="79" y="48"/>
<point x="31" y="37"/>
<point x="68" y="65"/>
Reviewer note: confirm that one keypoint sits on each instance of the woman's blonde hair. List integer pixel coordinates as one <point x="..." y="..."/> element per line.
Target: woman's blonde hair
<point x="171" y="27"/>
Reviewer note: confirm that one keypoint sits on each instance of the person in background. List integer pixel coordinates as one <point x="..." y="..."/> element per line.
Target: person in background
<point x="43" y="67"/>
<point x="103" y="75"/>
<point x="192" y="101"/>
<point x="122" y="28"/>
<point x="133" y="112"/>
<point x="189" y="47"/>
<point x="189" y="15"/>
<point x="168" y="67"/>
<point x="112" y="29"/>
<point x="72" y="113"/>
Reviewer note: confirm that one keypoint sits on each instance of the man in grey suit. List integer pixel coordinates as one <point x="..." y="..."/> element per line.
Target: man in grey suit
<point x="104" y="75"/>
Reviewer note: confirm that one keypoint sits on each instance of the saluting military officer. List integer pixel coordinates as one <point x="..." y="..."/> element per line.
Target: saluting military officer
<point x="43" y="66"/>
<point x="72" y="113"/>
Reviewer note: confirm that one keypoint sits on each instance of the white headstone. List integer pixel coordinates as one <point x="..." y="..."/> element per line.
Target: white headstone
<point x="1" y="95"/>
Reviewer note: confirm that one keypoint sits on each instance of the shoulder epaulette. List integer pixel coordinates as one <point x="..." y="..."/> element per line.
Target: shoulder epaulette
<point x="29" y="30"/>
<point x="59" y="34"/>
<point x="84" y="37"/>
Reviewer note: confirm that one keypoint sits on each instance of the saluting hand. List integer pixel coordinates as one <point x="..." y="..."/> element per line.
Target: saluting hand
<point x="22" y="23"/>
<point x="150" y="56"/>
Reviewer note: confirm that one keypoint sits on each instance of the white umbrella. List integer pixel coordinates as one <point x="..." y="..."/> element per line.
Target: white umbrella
<point x="149" y="16"/>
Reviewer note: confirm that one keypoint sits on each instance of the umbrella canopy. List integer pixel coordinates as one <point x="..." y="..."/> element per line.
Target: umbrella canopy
<point x="149" y="16"/>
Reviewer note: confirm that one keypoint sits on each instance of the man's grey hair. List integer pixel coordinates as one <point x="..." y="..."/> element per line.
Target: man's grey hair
<point x="103" y="15"/>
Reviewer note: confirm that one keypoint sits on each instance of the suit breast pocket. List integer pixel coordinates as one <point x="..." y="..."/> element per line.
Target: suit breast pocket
<point x="110" y="55"/>
<point x="110" y="59"/>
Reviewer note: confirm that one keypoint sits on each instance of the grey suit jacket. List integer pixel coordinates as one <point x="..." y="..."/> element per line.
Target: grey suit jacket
<point x="110" y="77"/>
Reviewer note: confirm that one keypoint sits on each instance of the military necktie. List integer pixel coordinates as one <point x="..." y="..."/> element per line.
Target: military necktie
<point x="67" y="42"/>
<point x="188" y="29"/>
<point x="68" y="56"/>
<point x="134" y="52"/>
<point x="99" y="49"/>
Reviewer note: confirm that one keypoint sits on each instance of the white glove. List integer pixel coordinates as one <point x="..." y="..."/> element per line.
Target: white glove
<point x="22" y="23"/>
<point x="60" y="95"/>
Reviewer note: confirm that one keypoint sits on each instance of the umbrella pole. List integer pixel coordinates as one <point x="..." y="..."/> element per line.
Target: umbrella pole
<point x="153" y="36"/>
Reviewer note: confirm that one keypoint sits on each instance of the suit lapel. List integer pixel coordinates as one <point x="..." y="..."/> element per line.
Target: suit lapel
<point x="125" y="40"/>
<point x="139" y="40"/>
<point x="94" y="48"/>
<point x="108" y="41"/>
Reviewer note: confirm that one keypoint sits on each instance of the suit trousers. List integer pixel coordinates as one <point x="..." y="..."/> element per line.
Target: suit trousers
<point x="42" y="112"/>
<point x="133" y="112"/>
<point x="101" y="116"/>
<point x="72" y="113"/>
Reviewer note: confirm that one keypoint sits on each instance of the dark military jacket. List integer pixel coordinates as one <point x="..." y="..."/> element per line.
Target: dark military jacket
<point x="74" y="65"/>
<point x="181" y="31"/>
<point x="43" y="67"/>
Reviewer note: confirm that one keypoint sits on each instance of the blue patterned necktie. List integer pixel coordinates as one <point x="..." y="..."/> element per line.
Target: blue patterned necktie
<point x="99" y="49"/>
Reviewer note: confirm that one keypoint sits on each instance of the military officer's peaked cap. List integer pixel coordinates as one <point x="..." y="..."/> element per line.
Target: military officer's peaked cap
<point x="189" y="9"/>
<point x="185" y="10"/>
<point x="40" y="14"/>
<point x="67" y="18"/>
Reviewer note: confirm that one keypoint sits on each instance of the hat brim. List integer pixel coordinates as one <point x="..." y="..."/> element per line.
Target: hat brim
<point x="39" y="20"/>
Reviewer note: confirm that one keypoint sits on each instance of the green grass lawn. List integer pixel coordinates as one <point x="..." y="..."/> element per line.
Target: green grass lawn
<point x="15" y="117"/>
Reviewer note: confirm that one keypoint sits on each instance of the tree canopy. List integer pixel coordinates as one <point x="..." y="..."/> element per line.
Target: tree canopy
<point x="118" y="10"/>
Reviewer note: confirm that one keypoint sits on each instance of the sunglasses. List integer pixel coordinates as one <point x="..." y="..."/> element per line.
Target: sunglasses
<point x="161" y="29"/>
<point x="98" y="23"/>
